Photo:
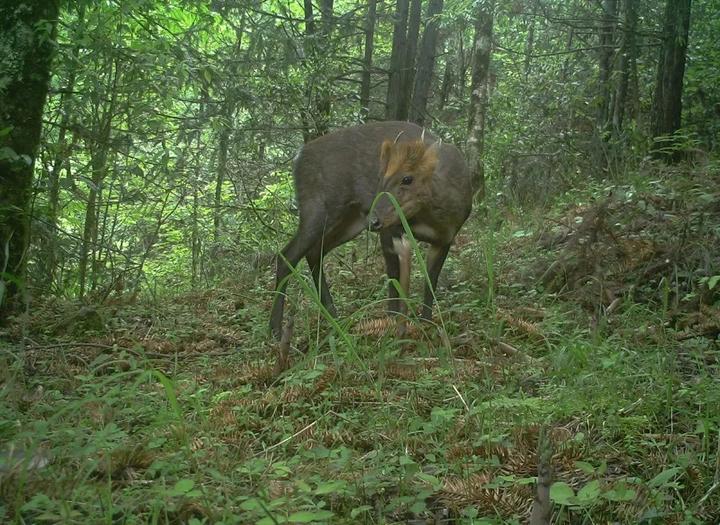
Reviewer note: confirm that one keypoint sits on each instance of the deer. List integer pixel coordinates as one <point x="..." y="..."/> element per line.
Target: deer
<point x="339" y="176"/>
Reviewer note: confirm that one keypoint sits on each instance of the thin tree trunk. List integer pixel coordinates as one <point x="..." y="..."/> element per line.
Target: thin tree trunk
<point x="367" y="60"/>
<point x="103" y="243"/>
<point x="564" y="70"/>
<point x="316" y="117"/>
<point x="482" y="47"/>
<point x="308" y="61"/>
<point x="195" y="238"/>
<point x="227" y="113"/>
<point x="90" y="223"/>
<point x="426" y="63"/>
<point x="220" y="176"/>
<point x="61" y="158"/>
<point x="448" y="82"/>
<point x="323" y="97"/>
<point x="462" y="67"/>
<point x="407" y="76"/>
<point x="397" y="59"/>
<point x="99" y="147"/>
<point x="326" y="15"/>
<point x="607" y="37"/>
<point x="667" y="105"/>
<point x="529" y="45"/>
<point x="628" y="56"/>
<point x="27" y="51"/>
<point x="633" y="96"/>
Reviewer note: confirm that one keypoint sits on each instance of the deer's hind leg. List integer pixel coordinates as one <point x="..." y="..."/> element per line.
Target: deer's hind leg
<point x="308" y="235"/>
<point x="335" y="236"/>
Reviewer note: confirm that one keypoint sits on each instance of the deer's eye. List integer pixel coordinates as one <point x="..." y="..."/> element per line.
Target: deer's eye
<point x="406" y="181"/>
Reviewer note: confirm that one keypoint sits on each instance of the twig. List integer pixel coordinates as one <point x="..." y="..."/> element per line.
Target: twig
<point x="65" y="345"/>
<point x="461" y="398"/>
<point x="289" y="438"/>
<point x="154" y="355"/>
<point x="707" y="494"/>
<point x="613" y="306"/>
<point x="455" y="360"/>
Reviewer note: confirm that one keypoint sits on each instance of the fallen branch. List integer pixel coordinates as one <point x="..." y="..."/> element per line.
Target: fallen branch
<point x="511" y="350"/>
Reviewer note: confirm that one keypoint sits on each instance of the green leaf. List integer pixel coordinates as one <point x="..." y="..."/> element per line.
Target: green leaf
<point x="406" y="460"/>
<point x="665" y="476"/>
<point x="589" y="493"/>
<point x="620" y="492"/>
<point x="429" y="479"/>
<point x="562" y="493"/>
<point x="251" y="504"/>
<point x="712" y="281"/>
<point x="418" y="507"/>
<point x="586" y="467"/>
<point x="303" y="486"/>
<point x="169" y="392"/>
<point x="330" y="487"/>
<point x="183" y="486"/>
<point x="354" y="513"/>
<point x="308" y="516"/>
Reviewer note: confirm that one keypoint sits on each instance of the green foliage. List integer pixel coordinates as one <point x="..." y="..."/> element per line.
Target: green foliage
<point x="182" y="420"/>
<point x="178" y="120"/>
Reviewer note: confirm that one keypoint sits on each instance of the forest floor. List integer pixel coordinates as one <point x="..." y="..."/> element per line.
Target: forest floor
<point x="591" y="329"/>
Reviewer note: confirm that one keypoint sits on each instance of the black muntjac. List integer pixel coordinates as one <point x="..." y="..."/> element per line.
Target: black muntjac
<point x="338" y="177"/>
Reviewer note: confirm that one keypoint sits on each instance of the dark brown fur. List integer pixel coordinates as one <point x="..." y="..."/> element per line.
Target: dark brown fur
<point x="337" y="178"/>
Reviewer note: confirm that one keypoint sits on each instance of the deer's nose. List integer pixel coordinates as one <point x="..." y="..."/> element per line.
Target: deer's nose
<point x="375" y="223"/>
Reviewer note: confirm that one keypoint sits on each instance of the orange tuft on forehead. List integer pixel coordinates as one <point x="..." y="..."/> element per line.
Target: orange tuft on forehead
<point x="411" y="157"/>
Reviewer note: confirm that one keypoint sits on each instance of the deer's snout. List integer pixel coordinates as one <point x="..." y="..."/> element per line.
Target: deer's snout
<point x="375" y="223"/>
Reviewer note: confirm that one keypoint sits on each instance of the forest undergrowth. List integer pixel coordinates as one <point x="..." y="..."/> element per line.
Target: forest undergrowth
<point x="594" y="324"/>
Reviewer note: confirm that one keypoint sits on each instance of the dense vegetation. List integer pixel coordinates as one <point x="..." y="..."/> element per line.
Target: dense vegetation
<point x="145" y="186"/>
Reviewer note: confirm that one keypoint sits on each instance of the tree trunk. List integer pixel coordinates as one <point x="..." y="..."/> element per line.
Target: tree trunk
<point x="367" y="60"/>
<point x="529" y="46"/>
<point x="220" y="176"/>
<point x="407" y="75"/>
<point x="326" y="15"/>
<point x="397" y="60"/>
<point x="628" y="57"/>
<point x="99" y="145"/>
<point x="426" y="63"/>
<point x="667" y="105"/>
<point x="463" y="65"/>
<point x="316" y="116"/>
<point x="60" y="161"/>
<point x="90" y="223"/>
<point x="26" y="50"/>
<point x="482" y="47"/>
<point x="323" y="97"/>
<point x="195" y="242"/>
<point x="226" y="114"/>
<point x="308" y="62"/>
<point x="62" y="153"/>
<point x="448" y="81"/>
<point x="607" y="38"/>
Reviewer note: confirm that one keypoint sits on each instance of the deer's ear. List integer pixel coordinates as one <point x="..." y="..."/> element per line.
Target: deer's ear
<point x="385" y="153"/>
<point x="430" y="159"/>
